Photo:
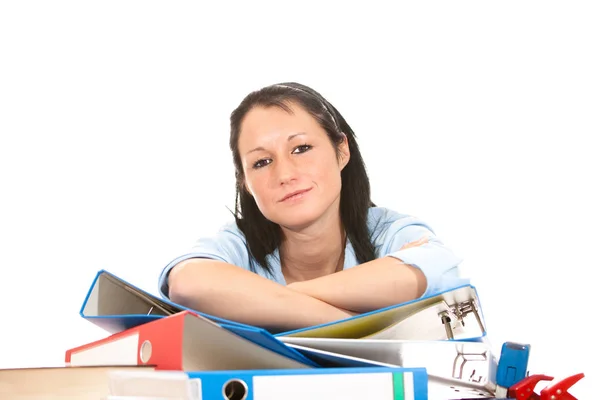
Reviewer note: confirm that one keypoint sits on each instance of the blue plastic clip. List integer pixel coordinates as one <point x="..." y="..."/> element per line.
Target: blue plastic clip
<point x="512" y="366"/>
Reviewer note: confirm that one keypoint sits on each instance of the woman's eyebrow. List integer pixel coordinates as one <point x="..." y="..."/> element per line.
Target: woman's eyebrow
<point x="295" y="134"/>
<point x="260" y="148"/>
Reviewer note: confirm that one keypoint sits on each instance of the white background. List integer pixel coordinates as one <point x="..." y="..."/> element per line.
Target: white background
<point x="480" y="118"/>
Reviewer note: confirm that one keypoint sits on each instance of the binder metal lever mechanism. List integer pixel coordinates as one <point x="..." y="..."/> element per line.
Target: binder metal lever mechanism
<point x="459" y="311"/>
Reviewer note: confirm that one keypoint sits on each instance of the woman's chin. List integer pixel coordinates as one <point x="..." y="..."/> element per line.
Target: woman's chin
<point x="297" y="220"/>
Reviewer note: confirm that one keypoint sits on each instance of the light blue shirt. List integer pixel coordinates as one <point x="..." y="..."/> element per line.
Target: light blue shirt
<point x="389" y="230"/>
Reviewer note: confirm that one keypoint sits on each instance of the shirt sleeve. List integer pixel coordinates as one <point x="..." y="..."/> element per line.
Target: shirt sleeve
<point x="228" y="245"/>
<point x="438" y="263"/>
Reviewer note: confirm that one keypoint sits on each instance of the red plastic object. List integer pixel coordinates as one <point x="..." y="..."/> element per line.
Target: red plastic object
<point x="524" y="390"/>
<point x="560" y="389"/>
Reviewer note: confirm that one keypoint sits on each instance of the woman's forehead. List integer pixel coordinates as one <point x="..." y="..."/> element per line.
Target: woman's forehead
<point x="272" y="123"/>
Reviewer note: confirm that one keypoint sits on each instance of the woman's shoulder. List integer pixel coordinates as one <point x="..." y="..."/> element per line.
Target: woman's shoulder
<point x="385" y="214"/>
<point x="227" y="232"/>
<point x="381" y="220"/>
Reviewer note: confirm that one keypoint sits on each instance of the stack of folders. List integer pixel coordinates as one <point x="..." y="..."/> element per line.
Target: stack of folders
<point x="432" y="348"/>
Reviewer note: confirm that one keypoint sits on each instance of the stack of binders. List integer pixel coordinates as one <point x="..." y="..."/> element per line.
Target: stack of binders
<point x="433" y="348"/>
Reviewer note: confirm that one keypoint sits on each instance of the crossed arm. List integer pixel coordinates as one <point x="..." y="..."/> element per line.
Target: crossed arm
<point x="376" y="284"/>
<point x="249" y="298"/>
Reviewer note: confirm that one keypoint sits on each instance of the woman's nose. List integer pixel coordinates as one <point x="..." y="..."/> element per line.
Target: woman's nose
<point x="285" y="171"/>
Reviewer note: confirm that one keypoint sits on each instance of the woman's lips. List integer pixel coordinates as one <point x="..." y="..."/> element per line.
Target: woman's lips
<point x="298" y="194"/>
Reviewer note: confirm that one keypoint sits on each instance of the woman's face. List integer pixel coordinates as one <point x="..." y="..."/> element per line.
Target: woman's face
<point x="290" y="166"/>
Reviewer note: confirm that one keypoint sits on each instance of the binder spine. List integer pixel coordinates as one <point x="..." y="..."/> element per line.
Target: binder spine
<point x="343" y="383"/>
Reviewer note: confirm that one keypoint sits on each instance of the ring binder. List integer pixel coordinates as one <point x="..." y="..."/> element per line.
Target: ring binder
<point x="457" y="363"/>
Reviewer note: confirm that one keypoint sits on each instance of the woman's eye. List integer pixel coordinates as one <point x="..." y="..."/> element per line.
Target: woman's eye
<point x="303" y="148"/>
<point x="261" y="163"/>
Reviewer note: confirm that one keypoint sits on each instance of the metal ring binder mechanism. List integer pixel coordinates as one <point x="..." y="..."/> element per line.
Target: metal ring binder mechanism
<point x="462" y="359"/>
<point x="459" y="311"/>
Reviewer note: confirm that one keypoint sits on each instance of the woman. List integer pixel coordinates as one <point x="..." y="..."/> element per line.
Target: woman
<point x="308" y="246"/>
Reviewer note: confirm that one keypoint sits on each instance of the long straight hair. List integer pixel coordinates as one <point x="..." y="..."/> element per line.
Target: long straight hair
<point x="262" y="235"/>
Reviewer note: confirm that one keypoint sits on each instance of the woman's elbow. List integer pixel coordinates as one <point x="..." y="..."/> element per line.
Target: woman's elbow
<point x="183" y="287"/>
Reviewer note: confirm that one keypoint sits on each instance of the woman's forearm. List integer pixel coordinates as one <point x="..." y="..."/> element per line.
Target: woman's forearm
<point x="230" y="292"/>
<point x="373" y="285"/>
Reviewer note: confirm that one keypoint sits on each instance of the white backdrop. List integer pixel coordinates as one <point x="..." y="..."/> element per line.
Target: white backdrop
<point x="477" y="117"/>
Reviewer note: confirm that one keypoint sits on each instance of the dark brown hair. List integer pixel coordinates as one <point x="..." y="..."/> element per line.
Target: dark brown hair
<point x="264" y="236"/>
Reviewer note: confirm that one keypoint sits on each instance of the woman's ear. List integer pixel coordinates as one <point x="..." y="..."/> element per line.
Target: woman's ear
<point x="344" y="152"/>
